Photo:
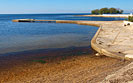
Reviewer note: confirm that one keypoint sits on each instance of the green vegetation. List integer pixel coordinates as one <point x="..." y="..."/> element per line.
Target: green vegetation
<point x="130" y="18"/>
<point x="40" y="61"/>
<point x="64" y="58"/>
<point x="107" y="11"/>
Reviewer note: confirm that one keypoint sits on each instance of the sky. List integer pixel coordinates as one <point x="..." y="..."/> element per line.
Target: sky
<point x="60" y="6"/>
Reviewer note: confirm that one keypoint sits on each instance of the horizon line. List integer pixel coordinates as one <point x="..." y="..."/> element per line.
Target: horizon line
<point x="58" y="13"/>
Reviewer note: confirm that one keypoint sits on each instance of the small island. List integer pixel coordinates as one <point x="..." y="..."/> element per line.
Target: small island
<point x="108" y="12"/>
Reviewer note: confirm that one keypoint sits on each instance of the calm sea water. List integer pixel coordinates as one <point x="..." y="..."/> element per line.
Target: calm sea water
<point x="17" y="37"/>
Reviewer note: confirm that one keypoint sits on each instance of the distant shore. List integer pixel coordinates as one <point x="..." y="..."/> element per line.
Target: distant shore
<point x="109" y="15"/>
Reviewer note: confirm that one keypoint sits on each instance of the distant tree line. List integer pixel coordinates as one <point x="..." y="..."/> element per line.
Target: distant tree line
<point x="107" y="11"/>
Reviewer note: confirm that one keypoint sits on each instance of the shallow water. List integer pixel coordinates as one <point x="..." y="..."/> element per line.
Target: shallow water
<point x="16" y="37"/>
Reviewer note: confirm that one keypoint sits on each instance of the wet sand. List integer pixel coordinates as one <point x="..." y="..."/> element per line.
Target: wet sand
<point x="61" y="65"/>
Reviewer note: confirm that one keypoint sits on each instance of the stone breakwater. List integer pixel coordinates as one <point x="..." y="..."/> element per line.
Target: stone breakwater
<point x="112" y="39"/>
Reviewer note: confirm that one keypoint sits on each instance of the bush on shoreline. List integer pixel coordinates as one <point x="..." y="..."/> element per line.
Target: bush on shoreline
<point x="107" y="11"/>
<point x="130" y="18"/>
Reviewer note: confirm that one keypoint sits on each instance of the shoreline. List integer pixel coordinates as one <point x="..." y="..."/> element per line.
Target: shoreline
<point x="108" y="16"/>
<point x="83" y="68"/>
<point x="61" y="66"/>
<point x="32" y="55"/>
<point x="102" y="49"/>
